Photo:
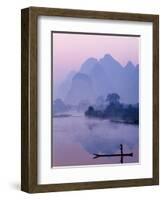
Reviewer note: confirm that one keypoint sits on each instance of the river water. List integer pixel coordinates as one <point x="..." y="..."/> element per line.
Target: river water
<point x="75" y="138"/>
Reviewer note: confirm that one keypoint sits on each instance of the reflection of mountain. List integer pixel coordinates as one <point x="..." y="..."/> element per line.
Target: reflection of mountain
<point x="107" y="137"/>
<point x="98" y="78"/>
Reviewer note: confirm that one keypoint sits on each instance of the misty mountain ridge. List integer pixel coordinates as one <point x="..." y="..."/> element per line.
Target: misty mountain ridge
<point x="81" y="89"/>
<point x="98" y="78"/>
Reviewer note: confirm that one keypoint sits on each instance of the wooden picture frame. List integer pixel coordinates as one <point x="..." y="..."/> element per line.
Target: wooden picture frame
<point x="29" y="109"/>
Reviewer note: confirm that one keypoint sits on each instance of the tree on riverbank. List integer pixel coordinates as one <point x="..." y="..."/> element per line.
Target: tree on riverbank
<point x="116" y="111"/>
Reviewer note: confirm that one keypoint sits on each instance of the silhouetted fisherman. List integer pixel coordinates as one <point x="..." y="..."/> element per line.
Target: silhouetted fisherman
<point x="122" y="155"/>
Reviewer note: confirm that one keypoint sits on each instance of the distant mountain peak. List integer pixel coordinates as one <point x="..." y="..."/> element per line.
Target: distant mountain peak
<point x="108" y="56"/>
<point x="91" y="59"/>
<point x="98" y="77"/>
<point x="87" y="66"/>
<point x="130" y="62"/>
<point x="81" y="89"/>
<point x="80" y="76"/>
<point x="130" y="65"/>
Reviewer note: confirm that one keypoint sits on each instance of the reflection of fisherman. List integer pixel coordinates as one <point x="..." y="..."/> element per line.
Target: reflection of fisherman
<point x="122" y="155"/>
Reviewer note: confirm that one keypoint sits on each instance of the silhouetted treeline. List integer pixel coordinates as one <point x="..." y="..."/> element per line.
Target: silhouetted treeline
<point x="116" y="111"/>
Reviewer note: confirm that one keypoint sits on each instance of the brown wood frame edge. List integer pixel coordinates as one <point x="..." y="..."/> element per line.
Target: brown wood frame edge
<point x="29" y="99"/>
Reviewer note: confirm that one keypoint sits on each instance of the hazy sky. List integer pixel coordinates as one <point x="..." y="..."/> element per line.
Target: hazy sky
<point x="71" y="50"/>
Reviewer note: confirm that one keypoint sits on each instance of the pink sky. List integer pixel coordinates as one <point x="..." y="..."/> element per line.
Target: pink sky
<point x="71" y="50"/>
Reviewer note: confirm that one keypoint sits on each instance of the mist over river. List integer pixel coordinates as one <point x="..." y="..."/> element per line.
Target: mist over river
<point x="77" y="137"/>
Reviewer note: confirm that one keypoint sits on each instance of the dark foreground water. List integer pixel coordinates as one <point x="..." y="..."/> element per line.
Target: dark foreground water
<point x="76" y="138"/>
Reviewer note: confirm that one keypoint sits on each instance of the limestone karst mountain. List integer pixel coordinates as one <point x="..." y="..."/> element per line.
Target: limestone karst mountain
<point x="100" y="77"/>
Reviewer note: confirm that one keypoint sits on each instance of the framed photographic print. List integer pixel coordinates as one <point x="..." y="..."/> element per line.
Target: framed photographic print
<point x="90" y="99"/>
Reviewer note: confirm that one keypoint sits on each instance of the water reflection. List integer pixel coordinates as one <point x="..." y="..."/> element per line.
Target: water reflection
<point x="105" y="137"/>
<point x="77" y="138"/>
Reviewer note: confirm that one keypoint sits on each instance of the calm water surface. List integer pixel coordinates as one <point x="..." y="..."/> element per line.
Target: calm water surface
<point x="76" y="138"/>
